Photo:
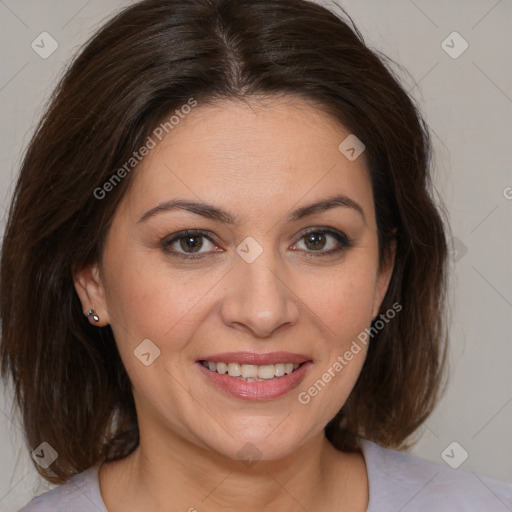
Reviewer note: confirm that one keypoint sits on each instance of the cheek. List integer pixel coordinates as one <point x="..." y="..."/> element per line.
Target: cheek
<point x="342" y="299"/>
<point x="146" y="299"/>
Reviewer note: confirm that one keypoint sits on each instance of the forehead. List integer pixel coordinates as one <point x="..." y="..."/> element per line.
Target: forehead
<point x="251" y="155"/>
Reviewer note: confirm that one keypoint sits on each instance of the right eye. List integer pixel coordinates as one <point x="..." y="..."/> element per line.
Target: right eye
<point x="189" y="242"/>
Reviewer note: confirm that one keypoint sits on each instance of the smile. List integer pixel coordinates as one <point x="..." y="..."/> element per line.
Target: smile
<point x="251" y="376"/>
<point x="251" y="372"/>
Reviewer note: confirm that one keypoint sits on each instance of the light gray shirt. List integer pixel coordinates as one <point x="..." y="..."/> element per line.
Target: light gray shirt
<point x="397" y="482"/>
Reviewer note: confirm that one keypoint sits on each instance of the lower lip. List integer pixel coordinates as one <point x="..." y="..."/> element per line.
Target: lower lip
<point x="257" y="390"/>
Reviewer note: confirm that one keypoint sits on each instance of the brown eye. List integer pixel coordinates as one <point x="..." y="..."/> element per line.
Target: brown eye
<point x="319" y="239"/>
<point x="315" y="241"/>
<point x="192" y="242"/>
<point x="187" y="244"/>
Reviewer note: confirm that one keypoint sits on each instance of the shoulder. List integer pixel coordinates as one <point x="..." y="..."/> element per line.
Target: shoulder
<point x="400" y="481"/>
<point x="80" y="493"/>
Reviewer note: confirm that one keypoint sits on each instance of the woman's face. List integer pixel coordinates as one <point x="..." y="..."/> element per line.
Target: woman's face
<point x="261" y="290"/>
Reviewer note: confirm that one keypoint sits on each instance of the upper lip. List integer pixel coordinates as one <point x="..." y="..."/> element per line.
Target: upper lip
<point x="256" y="359"/>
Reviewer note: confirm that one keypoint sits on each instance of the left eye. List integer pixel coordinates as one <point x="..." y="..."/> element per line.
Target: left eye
<point x="317" y="241"/>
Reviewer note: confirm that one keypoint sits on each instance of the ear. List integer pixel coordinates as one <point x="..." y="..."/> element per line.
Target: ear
<point x="90" y="290"/>
<point x="383" y="278"/>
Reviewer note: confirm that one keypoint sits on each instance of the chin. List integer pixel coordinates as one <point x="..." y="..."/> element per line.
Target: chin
<point x="258" y="443"/>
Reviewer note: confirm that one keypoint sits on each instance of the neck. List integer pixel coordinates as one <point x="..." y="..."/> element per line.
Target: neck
<point x="166" y="471"/>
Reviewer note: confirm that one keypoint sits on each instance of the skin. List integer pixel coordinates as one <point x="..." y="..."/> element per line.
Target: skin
<point x="258" y="161"/>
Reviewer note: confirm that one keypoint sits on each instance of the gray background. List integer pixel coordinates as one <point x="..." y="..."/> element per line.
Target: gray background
<point x="467" y="102"/>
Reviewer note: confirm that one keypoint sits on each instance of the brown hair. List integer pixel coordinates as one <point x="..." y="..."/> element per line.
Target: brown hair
<point x="150" y="59"/>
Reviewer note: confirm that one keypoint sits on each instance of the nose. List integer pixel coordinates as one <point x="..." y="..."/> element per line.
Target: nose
<point x="260" y="298"/>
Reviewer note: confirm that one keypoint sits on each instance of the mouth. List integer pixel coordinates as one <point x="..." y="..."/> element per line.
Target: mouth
<point x="252" y="376"/>
<point x="251" y="372"/>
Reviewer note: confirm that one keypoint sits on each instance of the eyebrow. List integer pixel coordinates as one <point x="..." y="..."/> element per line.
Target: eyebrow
<point x="217" y="214"/>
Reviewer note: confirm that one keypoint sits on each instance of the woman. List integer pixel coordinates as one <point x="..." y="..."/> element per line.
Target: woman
<point x="223" y="274"/>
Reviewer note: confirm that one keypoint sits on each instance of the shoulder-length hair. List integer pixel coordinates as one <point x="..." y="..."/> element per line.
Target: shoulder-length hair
<point x="145" y="63"/>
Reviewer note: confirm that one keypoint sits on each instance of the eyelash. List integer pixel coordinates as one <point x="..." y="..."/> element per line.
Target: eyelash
<point x="343" y="240"/>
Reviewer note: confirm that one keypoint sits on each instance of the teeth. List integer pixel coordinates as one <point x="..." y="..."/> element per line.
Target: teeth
<point x="249" y="370"/>
<point x="222" y="368"/>
<point x="267" y="371"/>
<point x="234" y="370"/>
<point x="279" y="369"/>
<point x="252" y="372"/>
